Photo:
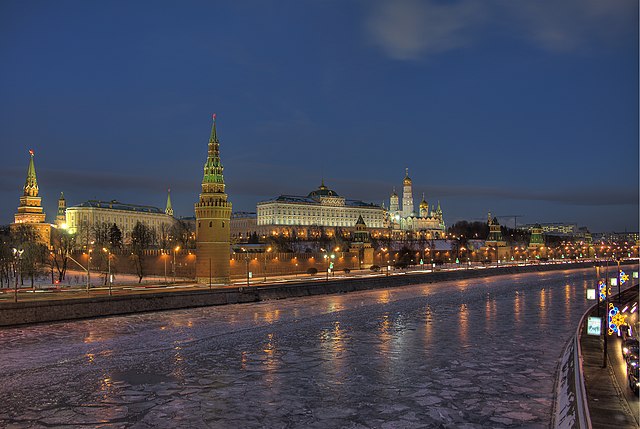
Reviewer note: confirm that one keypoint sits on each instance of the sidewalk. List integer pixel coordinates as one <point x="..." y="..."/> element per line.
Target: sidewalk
<point x="608" y="407"/>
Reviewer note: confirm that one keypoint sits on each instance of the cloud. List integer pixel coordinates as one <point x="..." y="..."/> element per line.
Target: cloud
<point x="570" y="24"/>
<point x="413" y="29"/>
<point x="409" y="29"/>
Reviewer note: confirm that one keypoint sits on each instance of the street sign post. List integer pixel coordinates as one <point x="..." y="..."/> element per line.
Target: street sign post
<point x="594" y="325"/>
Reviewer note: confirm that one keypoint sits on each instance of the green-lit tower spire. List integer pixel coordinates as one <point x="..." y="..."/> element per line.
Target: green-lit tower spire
<point x="213" y="179"/>
<point x="213" y="214"/>
<point x="169" y="210"/>
<point x="31" y="184"/>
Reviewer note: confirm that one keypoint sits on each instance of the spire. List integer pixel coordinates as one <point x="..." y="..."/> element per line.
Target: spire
<point x="322" y="184"/>
<point x="169" y="209"/>
<point x="213" y="167"/>
<point x="214" y="135"/>
<point x="406" y="172"/>
<point x="31" y="184"/>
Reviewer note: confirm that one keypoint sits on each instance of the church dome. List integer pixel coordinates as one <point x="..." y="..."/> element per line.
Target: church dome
<point x="323" y="191"/>
<point x="407" y="180"/>
<point x="424" y="204"/>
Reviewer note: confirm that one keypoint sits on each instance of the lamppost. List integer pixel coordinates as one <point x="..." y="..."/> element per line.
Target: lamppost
<point x="265" y="263"/>
<point x="89" y="268"/>
<point x="17" y="254"/>
<point x="104" y="249"/>
<point x="175" y="250"/>
<point x="164" y="257"/>
<point x="246" y="258"/>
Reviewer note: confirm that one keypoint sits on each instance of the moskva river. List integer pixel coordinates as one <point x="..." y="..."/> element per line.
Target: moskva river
<point x="477" y="353"/>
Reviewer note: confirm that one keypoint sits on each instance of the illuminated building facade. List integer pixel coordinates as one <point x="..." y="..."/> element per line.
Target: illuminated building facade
<point x="125" y="216"/>
<point x="320" y="208"/>
<point x="430" y="223"/>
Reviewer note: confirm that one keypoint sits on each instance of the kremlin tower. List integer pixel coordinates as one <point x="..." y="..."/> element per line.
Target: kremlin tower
<point x="213" y="214"/>
<point x="61" y="221"/>
<point x="407" y="196"/>
<point x="30" y="211"/>
<point x="169" y="209"/>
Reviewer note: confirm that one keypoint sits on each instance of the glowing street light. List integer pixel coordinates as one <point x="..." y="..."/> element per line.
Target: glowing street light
<point x="104" y="249"/>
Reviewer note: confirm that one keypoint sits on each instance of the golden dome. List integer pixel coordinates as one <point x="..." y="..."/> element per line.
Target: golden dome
<point x="407" y="180"/>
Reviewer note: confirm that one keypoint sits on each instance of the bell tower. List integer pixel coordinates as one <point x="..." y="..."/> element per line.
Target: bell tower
<point x="213" y="213"/>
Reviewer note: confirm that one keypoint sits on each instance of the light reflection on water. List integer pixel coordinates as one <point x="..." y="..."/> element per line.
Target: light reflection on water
<point x="517" y="304"/>
<point x="542" y="305"/>
<point x="463" y="324"/>
<point x="383" y="297"/>
<point x="367" y="357"/>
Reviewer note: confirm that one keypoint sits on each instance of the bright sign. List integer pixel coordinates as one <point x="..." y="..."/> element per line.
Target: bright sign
<point x="635" y="274"/>
<point x="591" y="294"/>
<point x="602" y="290"/>
<point x="623" y="277"/>
<point x="615" y="320"/>
<point x="614" y="281"/>
<point x="593" y="326"/>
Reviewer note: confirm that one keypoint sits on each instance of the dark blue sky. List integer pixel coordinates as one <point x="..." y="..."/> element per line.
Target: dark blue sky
<point x="526" y="108"/>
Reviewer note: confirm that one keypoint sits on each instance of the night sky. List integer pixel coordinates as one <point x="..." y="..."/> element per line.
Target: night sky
<point x="527" y="108"/>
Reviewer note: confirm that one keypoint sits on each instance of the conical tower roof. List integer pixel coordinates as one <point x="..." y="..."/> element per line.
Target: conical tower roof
<point x="31" y="184"/>
<point x="169" y="210"/>
<point x="213" y="167"/>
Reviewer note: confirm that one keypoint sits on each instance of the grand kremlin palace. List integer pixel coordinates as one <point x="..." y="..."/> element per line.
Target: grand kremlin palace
<point x="321" y="208"/>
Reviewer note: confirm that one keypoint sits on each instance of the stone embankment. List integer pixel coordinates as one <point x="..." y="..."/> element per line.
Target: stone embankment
<point x="79" y="308"/>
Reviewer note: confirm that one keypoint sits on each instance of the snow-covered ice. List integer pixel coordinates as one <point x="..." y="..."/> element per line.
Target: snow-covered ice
<point x="466" y="354"/>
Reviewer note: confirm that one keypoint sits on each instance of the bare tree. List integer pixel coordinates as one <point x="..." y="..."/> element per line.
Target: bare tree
<point x="115" y="237"/>
<point x="62" y="243"/>
<point x="33" y="254"/>
<point x="164" y="236"/>
<point x="182" y="232"/>
<point x="142" y="238"/>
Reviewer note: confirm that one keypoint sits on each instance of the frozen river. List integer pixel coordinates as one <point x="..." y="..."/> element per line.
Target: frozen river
<point x="463" y="354"/>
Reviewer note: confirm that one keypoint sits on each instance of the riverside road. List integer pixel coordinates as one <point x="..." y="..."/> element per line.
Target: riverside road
<point x="476" y="353"/>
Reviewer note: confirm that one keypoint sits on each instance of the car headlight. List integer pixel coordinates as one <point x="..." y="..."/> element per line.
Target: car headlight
<point x="634" y="363"/>
<point x="625" y="350"/>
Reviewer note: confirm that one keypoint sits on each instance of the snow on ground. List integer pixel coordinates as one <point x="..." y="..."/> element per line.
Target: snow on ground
<point x="477" y="353"/>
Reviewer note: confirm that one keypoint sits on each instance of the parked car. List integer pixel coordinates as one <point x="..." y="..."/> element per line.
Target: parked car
<point x="632" y="376"/>
<point x="629" y="347"/>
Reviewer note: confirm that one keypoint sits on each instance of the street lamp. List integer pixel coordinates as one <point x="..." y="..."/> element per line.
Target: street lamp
<point x="175" y="250"/>
<point x="246" y="258"/>
<point x="104" y="249"/>
<point x="265" y="263"/>
<point x="17" y="254"/>
<point x="164" y="257"/>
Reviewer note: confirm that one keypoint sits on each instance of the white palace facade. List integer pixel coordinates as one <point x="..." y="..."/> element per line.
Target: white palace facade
<point x="321" y="208"/>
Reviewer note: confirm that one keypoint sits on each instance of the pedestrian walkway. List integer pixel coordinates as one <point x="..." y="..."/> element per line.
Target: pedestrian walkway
<point x="608" y="407"/>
